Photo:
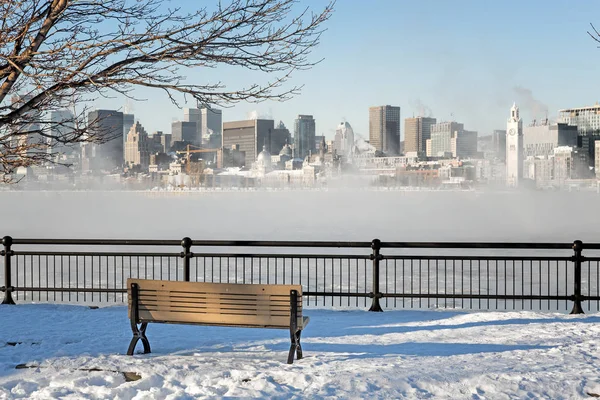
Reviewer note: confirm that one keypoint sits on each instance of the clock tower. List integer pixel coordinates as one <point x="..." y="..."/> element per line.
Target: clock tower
<point x="514" y="148"/>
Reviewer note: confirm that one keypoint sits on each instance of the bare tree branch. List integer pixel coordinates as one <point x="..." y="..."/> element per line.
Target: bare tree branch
<point x="63" y="54"/>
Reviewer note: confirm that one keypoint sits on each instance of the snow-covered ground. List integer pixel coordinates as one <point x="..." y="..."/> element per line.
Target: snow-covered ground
<point x="348" y="354"/>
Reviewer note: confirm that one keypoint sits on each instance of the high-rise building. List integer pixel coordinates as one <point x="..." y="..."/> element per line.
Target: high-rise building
<point x="570" y="163"/>
<point x="26" y="131"/>
<point x="62" y="124"/>
<point x="442" y="134"/>
<point x="248" y="137"/>
<point x="343" y="143"/>
<point x="279" y="138"/>
<point x="514" y="148"/>
<point x="587" y="121"/>
<point x="137" y="151"/>
<point x="540" y="140"/>
<point x="193" y="115"/>
<point x="184" y="131"/>
<point x="304" y="135"/>
<point x="384" y="129"/>
<point x="416" y="132"/>
<point x="464" y="144"/>
<point x="211" y="123"/>
<point x="128" y="121"/>
<point x="109" y="125"/>
<point x="499" y="143"/>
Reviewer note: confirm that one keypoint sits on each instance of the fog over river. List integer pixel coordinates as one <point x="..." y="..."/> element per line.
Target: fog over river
<point x="304" y="215"/>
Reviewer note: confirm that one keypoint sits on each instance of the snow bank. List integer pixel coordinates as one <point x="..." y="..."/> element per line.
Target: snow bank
<point x="356" y="354"/>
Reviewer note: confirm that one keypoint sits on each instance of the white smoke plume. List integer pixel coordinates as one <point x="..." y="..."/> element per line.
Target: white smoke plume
<point x="526" y="101"/>
<point x="254" y="114"/>
<point x="420" y="109"/>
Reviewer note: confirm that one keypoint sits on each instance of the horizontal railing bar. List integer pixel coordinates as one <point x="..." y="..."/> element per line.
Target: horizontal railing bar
<point x="476" y="258"/>
<point x="206" y="243"/>
<point x="337" y="294"/>
<point x="477" y="296"/>
<point x="483" y="245"/>
<point x="276" y="243"/>
<point x="193" y="255"/>
<point x="98" y="242"/>
<point x="66" y="290"/>
<point x="93" y="253"/>
<point x="283" y="255"/>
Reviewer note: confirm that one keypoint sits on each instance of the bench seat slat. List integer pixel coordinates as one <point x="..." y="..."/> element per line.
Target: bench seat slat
<point x="233" y="310"/>
<point x="144" y="295"/>
<point x="210" y="319"/>
<point x="158" y="305"/>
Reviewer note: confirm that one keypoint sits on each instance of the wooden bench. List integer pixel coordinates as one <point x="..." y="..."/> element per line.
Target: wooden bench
<point x="222" y="304"/>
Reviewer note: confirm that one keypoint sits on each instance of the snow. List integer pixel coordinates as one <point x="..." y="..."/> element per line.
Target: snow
<point x="348" y="354"/>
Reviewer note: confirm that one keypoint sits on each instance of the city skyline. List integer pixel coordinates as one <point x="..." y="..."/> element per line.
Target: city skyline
<point x="491" y="56"/>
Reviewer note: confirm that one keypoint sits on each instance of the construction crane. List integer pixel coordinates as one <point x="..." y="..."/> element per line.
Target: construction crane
<point x="187" y="153"/>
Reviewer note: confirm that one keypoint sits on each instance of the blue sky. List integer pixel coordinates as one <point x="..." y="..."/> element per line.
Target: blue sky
<point x="465" y="60"/>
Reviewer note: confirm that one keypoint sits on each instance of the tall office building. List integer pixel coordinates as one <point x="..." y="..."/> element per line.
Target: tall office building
<point x="211" y="122"/>
<point x="384" y="129"/>
<point x="279" y="138"/>
<point x="587" y="121"/>
<point x="499" y="143"/>
<point x="184" y="131"/>
<point x="514" y="148"/>
<point x="137" y="147"/>
<point x="304" y="135"/>
<point x="62" y="124"/>
<point x="108" y="124"/>
<point x="193" y="115"/>
<point x="343" y="143"/>
<point x="464" y="144"/>
<point x="540" y="140"/>
<point x="128" y="121"/>
<point x="248" y="136"/>
<point x="26" y="131"/>
<point x="442" y="135"/>
<point x="416" y="132"/>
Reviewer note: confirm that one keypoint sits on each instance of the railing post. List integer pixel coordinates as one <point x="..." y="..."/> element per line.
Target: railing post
<point x="7" y="253"/>
<point x="577" y="258"/>
<point x="376" y="295"/>
<point x="186" y="254"/>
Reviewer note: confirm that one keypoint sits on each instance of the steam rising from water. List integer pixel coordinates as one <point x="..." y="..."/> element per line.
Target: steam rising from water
<point x="342" y="214"/>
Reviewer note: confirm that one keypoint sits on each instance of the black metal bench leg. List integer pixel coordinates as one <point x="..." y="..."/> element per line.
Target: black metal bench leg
<point x="139" y="334"/>
<point x="293" y="348"/>
<point x="299" y="346"/>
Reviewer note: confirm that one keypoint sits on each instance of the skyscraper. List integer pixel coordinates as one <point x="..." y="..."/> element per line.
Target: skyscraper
<point x="62" y="125"/>
<point x="304" y="135"/>
<point x="343" y="143"/>
<point x="184" y="131"/>
<point x="442" y="134"/>
<point x="384" y="129"/>
<point x="279" y="138"/>
<point x="137" y="147"/>
<point x="193" y="115"/>
<point x="211" y="122"/>
<point x="416" y="132"/>
<point x="249" y="136"/>
<point x="108" y="124"/>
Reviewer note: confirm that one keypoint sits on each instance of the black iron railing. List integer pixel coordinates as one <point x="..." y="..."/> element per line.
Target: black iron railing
<point x="535" y="276"/>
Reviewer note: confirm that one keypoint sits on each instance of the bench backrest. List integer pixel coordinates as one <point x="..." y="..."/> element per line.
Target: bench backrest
<point x="215" y="303"/>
